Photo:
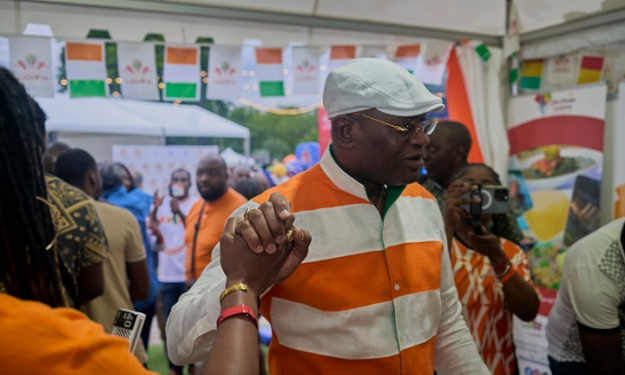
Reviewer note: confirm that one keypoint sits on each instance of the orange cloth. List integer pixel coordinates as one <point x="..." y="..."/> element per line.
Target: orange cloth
<point x="211" y="226"/>
<point x="37" y="339"/>
<point x="483" y="303"/>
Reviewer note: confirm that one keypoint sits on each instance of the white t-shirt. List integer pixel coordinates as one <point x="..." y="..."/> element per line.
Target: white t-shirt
<point x="171" y="261"/>
<point x="592" y="292"/>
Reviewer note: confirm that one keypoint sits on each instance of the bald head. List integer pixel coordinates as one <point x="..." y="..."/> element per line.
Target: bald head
<point x="212" y="177"/>
<point x="447" y="152"/>
<point x="51" y="154"/>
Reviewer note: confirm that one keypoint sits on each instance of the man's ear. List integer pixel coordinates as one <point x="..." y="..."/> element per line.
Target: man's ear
<point x="343" y="131"/>
<point x="91" y="177"/>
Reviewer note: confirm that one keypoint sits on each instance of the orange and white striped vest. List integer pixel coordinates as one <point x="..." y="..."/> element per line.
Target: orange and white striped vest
<point x="366" y="300"/>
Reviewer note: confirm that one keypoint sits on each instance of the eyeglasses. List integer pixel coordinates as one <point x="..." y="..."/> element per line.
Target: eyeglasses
<point x="426" y="126"/>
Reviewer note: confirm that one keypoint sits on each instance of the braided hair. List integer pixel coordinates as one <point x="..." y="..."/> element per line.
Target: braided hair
<point x="27" y="270"/>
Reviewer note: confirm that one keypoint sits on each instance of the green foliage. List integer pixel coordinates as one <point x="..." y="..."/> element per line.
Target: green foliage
<point x="277" y="133"/>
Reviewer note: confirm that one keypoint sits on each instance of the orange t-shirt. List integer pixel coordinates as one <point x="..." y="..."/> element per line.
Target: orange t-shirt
<point x="483" y="303"/>
<point x="37" y="339"/>
<point x="211" y="226"/>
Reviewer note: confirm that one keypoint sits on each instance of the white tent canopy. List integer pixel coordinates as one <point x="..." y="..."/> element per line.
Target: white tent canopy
<point x="233" y="158"/>
<point x="318" y="22"/>
<point x="112" y="116"/>
<point x="91" y="115"/>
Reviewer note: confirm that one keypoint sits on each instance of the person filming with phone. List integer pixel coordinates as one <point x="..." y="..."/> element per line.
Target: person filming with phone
<point x="491" y="273"/>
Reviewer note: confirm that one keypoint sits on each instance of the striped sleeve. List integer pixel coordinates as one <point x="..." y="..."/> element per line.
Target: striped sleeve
<point x="191" y="326"/>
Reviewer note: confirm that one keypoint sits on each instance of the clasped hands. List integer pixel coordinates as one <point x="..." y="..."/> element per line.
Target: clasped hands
<point x="263" y="247"/>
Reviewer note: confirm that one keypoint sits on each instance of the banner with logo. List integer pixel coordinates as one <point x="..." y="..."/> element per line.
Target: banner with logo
<point x="137" y="70"/>
<point x="562" y="71"/>
<point x="432" y="63"/>
<point x="556" y="155"/>
<point x="156" y="163"/>
<point x="619" y="154"/>
<point x="31" y="64"/>
<point x="224" y="73"/>
<point x="305" y="70"/>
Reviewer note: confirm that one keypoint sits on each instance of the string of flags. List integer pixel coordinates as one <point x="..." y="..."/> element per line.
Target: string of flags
<point x="570" y="70"/>
<point x="183" y="75"/>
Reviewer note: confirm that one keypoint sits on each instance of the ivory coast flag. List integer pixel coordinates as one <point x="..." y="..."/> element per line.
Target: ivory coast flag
<point x="269" y="71"/>
<point x="406" y="56"/>
<point x="181" y="73"/>
<point x="339" y="55"/>
<point x="86" y="70"/>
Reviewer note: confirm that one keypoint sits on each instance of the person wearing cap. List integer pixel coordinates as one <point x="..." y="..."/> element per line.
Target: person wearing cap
<point x="375" y="294"/>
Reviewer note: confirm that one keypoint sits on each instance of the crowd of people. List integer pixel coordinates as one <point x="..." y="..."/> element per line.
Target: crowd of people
<point x="362" y="263"/>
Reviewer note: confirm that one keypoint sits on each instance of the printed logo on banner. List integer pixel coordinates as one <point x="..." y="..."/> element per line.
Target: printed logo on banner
<point x="31" y="68"/>
<point x="434" y="61"/>
<point x="225" y="74"/>
<point x="307" y="71"/>
<point x="562" y="64"/>
<point x="542" y="100"/>
<point x="139" y="73"/>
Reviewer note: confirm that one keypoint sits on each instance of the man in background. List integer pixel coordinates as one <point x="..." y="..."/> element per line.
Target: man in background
<point x="80" y="236"/>
<point x="445" y="156"/>
<point x="115" y="178"/>
<point x="125" y="270"/>
<point x="168" y="218"/>
<point x="208" y="216"/>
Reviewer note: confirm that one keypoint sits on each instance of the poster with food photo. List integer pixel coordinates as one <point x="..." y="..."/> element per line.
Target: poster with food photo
<point x="556" y="157"/>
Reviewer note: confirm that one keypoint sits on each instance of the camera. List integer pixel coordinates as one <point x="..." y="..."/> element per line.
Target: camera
<point x="494" y="200"/>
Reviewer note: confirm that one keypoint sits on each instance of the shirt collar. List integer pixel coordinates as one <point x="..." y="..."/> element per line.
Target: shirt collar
<point x="339" y="177"/>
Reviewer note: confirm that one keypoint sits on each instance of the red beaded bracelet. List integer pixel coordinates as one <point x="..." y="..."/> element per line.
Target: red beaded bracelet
<point x="237" y="310"/>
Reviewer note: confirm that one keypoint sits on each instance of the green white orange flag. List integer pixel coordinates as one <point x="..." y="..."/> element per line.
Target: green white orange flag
<point x="269" y="71"/>
<point x="86" y="69"/>
<point x="181" y="73"/>
<point x="531" y="74"/>
<point x="137" y="70"/>
<point x="339" y="55"/>
<point x="406" y="56"/>
<point x="590" y="69"/>
<point x="224" y="73"/>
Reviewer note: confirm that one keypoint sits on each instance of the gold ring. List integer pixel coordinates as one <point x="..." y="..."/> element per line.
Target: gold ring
<point x="247" y="212"/>
<point x="289" y="235"/>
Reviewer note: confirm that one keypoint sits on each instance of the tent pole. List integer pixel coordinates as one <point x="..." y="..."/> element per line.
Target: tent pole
<point x="246" y="147"/>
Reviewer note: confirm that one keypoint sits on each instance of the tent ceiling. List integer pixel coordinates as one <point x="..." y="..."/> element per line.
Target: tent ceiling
<point x="486" y="16"/>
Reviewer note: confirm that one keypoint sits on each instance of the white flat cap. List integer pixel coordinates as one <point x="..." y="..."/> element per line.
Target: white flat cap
<point x="367" y="83"/>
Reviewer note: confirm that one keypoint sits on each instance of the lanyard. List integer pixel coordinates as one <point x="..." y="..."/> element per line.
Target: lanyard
<point x="197" y="229"/>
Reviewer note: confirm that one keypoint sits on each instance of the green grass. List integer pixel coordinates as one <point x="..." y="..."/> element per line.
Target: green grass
<point x="157" y="361"/>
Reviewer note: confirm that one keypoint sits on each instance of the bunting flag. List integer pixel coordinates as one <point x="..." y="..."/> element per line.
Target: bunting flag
<point x="339" y="55"/>
<point x="531" y="74"/>
<point x="432" y="63"/>
<point x="562" y="71"/>
<point x="269" y="71"/>
<point x="181" y="73"/>
<point x="305" y="70"/>
<point x="86" y="70"/>
<point x="376" y="52"/>
<point x="590" y="69"/>
<point x="406" y="56"/>
<point x="224" y="73"/>
<point x="137" y="69"/>
<point x="30" y="62"/>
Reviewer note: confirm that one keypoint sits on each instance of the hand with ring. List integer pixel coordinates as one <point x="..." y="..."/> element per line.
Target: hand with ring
<point x="260" y="269"/>
<point x="269" y="226"/>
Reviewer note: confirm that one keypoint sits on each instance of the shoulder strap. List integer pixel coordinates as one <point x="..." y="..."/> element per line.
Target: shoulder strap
<point x="197" y="229"/>
<point x="623" y="236"/>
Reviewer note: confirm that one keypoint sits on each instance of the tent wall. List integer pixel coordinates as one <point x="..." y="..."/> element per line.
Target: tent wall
<point x="100" y="145"/>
